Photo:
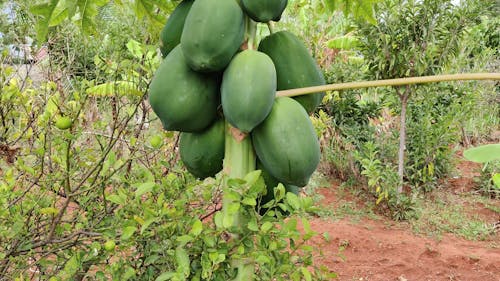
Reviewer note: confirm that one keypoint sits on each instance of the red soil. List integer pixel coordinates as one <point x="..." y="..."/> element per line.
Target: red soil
<point x="384" y="250"/>
<point x="372" y="250"/>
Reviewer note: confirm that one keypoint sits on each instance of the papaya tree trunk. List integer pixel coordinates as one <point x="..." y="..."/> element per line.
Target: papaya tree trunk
<point x="239" y="160"/>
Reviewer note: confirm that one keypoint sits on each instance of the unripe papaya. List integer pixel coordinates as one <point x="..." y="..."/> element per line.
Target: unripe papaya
<point x="248" y="89"/>
<point x="286" y="143"/>
<point x="271" y="182"/>
<point x="212" y="34"/>
<point x="170" y="35"/>
<point x="183" y="99"/>
<point x="264" y="10"/>
<point x="203" y="153"/>
<point x="295" y="67"/>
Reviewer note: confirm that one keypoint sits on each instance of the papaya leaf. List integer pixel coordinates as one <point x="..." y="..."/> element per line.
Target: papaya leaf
<point x="346" y="42"/>
<point x="483" y="154"/>
<point x="45" y="13"/>
<point x="496" y="180"/>
<point x="88" y="9"/>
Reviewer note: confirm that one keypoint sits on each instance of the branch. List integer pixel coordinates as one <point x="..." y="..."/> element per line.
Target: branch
<point x="389" y="82"/>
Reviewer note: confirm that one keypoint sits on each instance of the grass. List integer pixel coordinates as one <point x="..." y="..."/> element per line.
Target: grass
<point x="437" y="213"/>
<point x="452" y="213"/>
<point x="344" y="207"/>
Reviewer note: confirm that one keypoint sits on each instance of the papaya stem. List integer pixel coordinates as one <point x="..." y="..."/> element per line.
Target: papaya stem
<point x="239" y="160"/>
<point x="270" y="26"/>
<point x="251" y="31"/>
<point x="389" y="82"/>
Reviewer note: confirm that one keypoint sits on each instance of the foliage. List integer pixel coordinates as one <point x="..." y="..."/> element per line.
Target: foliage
<point x="83" y="13"/>
<point x="489" y="155"/>
<point x="106" y="198"/>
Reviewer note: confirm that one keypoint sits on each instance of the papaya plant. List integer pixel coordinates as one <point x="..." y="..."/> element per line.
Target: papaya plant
<point x="184" y="94"/>
<point x="489" y="156"/>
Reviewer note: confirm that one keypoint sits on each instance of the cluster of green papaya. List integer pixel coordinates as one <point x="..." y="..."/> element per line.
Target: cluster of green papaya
<point x="205" y="69"/>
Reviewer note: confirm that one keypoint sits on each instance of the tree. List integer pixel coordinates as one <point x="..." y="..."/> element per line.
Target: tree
<point x="413" y="38"/>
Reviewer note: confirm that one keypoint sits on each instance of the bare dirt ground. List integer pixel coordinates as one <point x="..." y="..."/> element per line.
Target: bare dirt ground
<point x="383" y="250"/>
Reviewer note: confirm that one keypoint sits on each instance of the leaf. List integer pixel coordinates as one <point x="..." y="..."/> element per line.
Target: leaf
<point x="252" y="225"/>
<point x="249" y="201"/>
<point x="346" y="42"/>
<point x="144" y="188"/>
<point x="71" y="267"/>
<point x="59" y="14"/>
<point x="129" y="273"/>
<point x="305" y="272"/>
<point x="266" y="227"/>
<point x="165" y="276"/>
<point x="484" y="153"/>
<point x="184" y="239"/>
<point x="88" y="9"/>
<point x="44" y="12"/>
<point x="293" y="200"/>
<point x="134" y="48"/>
<point x="115" y="198"/>
<point x="183" y="262"/>
<point x="49" y="211"/>
<point x="127" y="232"/>
<point x="114" y="88"/>
<point x="496" y="180"/>
<point x="252" y="177"/>
<point x="279" y="192"/>
<point x="196" y="228"/>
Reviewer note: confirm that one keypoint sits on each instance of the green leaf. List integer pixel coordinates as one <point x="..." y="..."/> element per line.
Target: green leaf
<point x="252" y="224"/>
<point x="305" y="272"/>
<point x="346" y="42"/>
<point x="114" y="88"/>
<point x="59" y="14"/>
<point x="44" y="12"/>
<point x="249" y="201"/>
<point x="165" y="276"/>
<point x="496" y="180"/>
<point x="135" y="48"/>
<point x="484" y="153"/>
<point x="219" y="220"/>
<point x="129" y="273"/>
<point x="252" y="177"/>
<point x="266" y="227"/>
<point x="88" y="9"/>
<point x="144" y="188"/>
<point x="127" y="232"/>
<point x="184" y="239"/>
<point x="279" y="192"/>
<point x="293" y="200"/>
<point x="71" y="267"/>
<point x="183" y="262"/>
<point x="196" y="228"/>
<point x="49" y="211"/>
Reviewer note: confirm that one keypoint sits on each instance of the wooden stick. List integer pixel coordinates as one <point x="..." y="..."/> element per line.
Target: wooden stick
<point x="389" y="82"/>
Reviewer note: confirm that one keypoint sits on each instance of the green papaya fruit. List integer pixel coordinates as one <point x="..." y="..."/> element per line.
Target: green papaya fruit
<point x="170" y="35"/>
<point x="295" y="66"/>
<point x="271" y="182"/>
<point x="183" y="99"/>
<point x="286" y="143"/>
<point x="264" y="10"/>
<point x="212" y="34"/>
<point x="203" y="153"/>
<point x="248" y="89"/>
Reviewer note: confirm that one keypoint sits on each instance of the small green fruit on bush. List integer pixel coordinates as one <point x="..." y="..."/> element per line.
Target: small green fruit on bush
<point x="109" y="245"/>
<point x="156" y="141"/>
<point x="63" y="122"/>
